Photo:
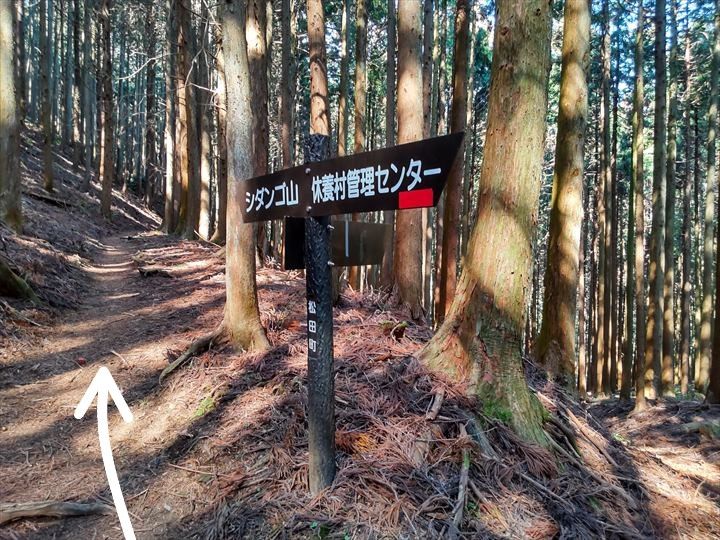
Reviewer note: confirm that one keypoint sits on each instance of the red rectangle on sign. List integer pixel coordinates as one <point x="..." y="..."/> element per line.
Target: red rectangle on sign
<point x="421" y="198"/>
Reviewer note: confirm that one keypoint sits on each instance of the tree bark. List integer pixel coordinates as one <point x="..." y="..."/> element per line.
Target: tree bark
<point x="390" y="84"/>
<point x="89" y="100"/>
<point x="637" y="189"/>
<point x="556" y="342"/>
<point x="667" y="372"/>
<point x="170" y="121"/>
<point x="451" y="220"/>
<point x="687" y="253"/>
<point x="242" y="317"/>
<point x="10" y="189"/>
<point x="221" y="119"/>
<point x="427" y="71"/>
<point x="702" y="370"/>
<point x="107" y="160"/>
<point x="361" y="20"/>
<point x="342" y="129"/>
<point x="45" y="106"/>
<point x="480" y="340"/>
<point x="77" y="90"/>
<point x="319" y="101"/>
<point x="407" y="268"/>
<point x="151" y="165"/>
<point x="257" y="58"/>
<point x="656" y="276"/>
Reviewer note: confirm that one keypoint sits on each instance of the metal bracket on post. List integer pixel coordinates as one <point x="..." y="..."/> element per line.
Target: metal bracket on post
<point x="321" y="388"/>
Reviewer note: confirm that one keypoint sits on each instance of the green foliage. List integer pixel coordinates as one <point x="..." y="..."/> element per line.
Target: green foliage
<point x="206" y="405"/>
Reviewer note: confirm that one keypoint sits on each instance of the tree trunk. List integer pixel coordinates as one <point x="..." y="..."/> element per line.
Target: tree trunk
<point x="45" y="106"/>
<point x="407" y="267"/>
<point x="556" y="342"/>
<point x="151" y="165"/>
<point x="342" y="128"/>
<point x="702" y="371"/>
<point x="656" y="275"/>
<point x="170" y="121"/>
<point x="10" y="190"/>
<point x="88" y="95"/>
<point x="107" y="161"/>
<point x="319" y="101"/>
<point x="611" y="367"/>
<point x="77" y="90"/>
<point x="582" y="286"/>
<point x="451" y="219"/>
<point x="666" y="376"/>
<point x="687" y="252"/>
<point x="242" y="317"/>
<point x="222" y="171"/>
<point x="427" y="71"/>
<point x="480" y="340"/>
<point x="257" y="58"/>
<point x="637" y="191"/>
<point x="389" y="216"/>
<point x="19" y="22"/>
<point x="360" y="105"/>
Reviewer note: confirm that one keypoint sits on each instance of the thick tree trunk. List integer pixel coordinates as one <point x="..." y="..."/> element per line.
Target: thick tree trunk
<point x="242" y="317"/>
<point x="107" y="152"/>
<point x="702" y="370"/>
<point x="407" y="266"/>
<point x="451" y="227"/>
<point x="556" y="342"/>
<point x="656" y="277"/>
<point x="480" y="340"/>
<point x="257" y="58"/>
<point x="10" y="191"/>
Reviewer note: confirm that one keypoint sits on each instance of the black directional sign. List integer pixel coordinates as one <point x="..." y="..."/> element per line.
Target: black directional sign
<point x="407" y="176"/>
<point x="352" y="243"/>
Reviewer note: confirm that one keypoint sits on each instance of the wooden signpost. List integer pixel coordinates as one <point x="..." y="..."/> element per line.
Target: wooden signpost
<point x="407" y="176"/>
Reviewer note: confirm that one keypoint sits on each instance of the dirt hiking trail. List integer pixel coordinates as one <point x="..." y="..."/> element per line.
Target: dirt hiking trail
<point x="126" y="324"/>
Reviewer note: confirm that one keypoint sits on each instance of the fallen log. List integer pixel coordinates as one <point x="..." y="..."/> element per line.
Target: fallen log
<point x="12" y="511"/>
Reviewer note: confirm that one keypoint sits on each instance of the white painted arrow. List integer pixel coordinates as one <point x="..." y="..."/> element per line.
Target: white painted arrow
<point x="103" y="385"/>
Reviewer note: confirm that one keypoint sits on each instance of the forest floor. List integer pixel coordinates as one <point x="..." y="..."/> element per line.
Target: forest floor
<point x="219" y="449"/>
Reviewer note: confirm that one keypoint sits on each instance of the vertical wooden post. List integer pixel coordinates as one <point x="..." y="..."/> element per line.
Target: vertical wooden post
<point x="321" y="390"/>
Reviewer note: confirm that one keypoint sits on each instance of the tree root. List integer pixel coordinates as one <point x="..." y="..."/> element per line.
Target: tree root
<point x="198" y="346"/>
<point x="13" y="285"/>
<point x="12" y="511"/>
<point x="462" y="490"/>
